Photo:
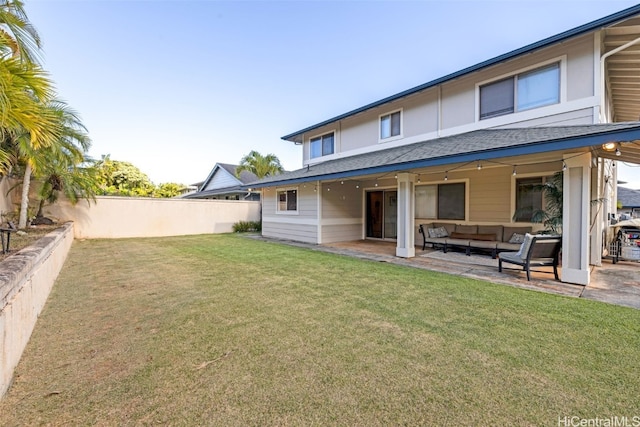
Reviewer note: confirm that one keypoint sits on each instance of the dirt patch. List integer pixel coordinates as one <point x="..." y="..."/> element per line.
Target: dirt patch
<point x="20" y="241"/>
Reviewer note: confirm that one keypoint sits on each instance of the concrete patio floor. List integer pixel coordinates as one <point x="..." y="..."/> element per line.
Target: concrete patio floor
<point x="611" y="283"/>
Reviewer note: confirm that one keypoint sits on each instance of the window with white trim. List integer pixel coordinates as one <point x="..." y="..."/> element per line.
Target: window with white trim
<point x="441" y="201"/>
<point x="322" y="145"/>
<point x="521" y="92"/>
<point x="287" y="200"/>
<point x="391" y="125"/>
<point x="528" y="197"/>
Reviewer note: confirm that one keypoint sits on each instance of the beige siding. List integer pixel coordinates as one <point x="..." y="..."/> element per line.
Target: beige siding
<point x="342" y="216"/>
<point x="571" y="118"/>
<point x="341" y="200"/>
<point x="420" y="113"/>
<point x="341" y="233"/>
<point x="300" y="226"/>
<point x="359" y="131"/>
<point x="458" y="102"/>
<point x="490" y="195"/>
<point x="291" y="231"/>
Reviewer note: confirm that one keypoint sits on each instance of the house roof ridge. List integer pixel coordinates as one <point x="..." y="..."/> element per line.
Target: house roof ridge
<point x="590" y="26"/>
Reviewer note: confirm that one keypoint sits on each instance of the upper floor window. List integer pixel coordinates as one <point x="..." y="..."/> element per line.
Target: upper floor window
<point x="322" y="145"/>
<point x="287" y="200"/>
<point x="390" y="125"/>
<point x="521" y="92"/>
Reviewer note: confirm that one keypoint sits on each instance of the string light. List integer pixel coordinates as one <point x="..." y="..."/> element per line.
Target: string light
<point x="446" y="176"/>
<point x="564" y="166"/>
<point x="618" y="153"/>
<point x="419" y="181"/>
<point x="514" y="170"/>
<point x="479" y="166"/>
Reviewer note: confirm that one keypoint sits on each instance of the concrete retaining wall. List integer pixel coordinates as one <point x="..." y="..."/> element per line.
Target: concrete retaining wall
<point x="26" y="278"/>
<point x="119" y="217"/>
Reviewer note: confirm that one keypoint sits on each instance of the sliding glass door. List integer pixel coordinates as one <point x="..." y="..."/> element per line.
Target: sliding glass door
<point x="382" y="214"/>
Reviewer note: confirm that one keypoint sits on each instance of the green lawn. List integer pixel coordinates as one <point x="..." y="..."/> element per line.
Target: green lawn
<point x="225" y="330"/>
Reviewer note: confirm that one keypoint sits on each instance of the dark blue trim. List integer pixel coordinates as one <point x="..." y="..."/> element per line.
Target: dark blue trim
<point x="607" y="20"/>
<point x="532" y="148"/>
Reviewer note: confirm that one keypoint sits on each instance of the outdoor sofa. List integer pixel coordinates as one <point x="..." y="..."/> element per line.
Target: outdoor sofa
<point x="488" y="238"/>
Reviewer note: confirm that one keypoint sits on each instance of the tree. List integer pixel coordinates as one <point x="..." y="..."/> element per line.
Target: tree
<point x="117" y="178"/>
<point x="260" y="165"/>
<point x="18" y="37"/>
<point x="56" y="161"/>
<point x="168" y="189"/>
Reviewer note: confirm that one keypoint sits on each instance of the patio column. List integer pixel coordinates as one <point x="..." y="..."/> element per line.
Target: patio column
<point x="406" y="216"/>
<point x="576" y="193"/>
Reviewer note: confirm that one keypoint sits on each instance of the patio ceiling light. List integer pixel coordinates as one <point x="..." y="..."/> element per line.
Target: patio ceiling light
<point x="610" y="146"/>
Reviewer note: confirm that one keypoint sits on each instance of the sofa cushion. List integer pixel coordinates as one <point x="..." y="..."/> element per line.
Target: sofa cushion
<point x="508" y="232"/>
<point x="504" y="246"/>
<point x="496" y="230"/>
<point x="471" y="236"/>
<point x="466" y="229"/>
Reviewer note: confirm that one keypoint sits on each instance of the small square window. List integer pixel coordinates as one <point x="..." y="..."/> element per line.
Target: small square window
<point x="390" y="125"/>
<point x="287" y="200"/>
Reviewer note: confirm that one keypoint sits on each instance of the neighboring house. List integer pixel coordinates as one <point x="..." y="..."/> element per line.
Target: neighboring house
<point x="630" y="203"/>
<point x="463" y="148"/>
<point x="223" y="184"/>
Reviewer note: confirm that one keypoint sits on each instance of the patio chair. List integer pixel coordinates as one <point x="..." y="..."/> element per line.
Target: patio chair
<point x="536" y="251"/>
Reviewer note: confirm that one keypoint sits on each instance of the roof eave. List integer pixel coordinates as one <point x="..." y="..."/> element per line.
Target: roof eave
<point x="591" y="26"/>
<point x="538" y="147"/>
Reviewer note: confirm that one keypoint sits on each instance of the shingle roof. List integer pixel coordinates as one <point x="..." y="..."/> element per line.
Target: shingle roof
<point x="629" y="198"/>
<point x="245" y="176"/>
<point x="471" y="146"/>
<point x="591" y="26"/>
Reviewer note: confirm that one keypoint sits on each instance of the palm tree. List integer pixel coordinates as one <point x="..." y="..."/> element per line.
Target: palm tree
<point x="260" y="165"/>
<point x="66" y="143"/>
<point x="18" y="37"/>
<point x="64" y="166"/>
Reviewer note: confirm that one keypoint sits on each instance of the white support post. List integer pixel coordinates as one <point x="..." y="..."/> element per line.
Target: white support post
<point x="406" y="216"/>
<point x="576" y="193"/>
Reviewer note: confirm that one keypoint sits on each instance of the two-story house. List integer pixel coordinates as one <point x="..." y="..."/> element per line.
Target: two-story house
<point x="463" y="147"/>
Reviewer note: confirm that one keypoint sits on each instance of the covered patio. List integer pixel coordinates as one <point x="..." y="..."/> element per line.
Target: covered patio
<point x="337" y="195"/>
<point x="611" y="283"/>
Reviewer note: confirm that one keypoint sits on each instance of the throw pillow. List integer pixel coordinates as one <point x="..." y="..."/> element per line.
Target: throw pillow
<point x="432" y="233"/>
<point x="516" y="238"/>
<point x="441" y="232"/>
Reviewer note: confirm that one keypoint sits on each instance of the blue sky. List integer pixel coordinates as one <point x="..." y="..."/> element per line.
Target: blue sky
<point x="176" y="86"/>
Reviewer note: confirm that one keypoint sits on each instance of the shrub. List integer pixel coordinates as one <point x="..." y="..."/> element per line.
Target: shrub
<point x="246" y="226"/>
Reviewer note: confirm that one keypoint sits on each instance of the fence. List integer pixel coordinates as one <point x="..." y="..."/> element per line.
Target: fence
<point x="119" y="217"/>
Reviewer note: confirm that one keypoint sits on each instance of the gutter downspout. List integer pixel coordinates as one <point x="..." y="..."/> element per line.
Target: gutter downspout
<point x="603" y="79"/>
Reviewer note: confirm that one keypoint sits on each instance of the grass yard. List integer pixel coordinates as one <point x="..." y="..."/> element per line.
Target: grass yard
<point x="225" y="330"/>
